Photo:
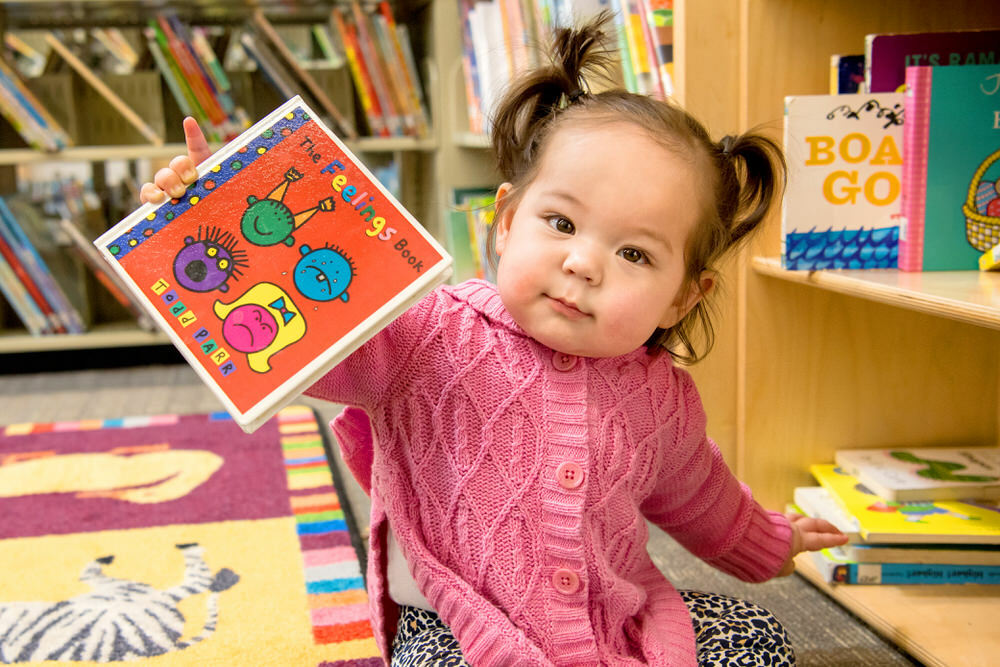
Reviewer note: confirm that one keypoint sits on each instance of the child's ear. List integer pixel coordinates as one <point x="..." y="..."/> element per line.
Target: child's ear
<point x="502" y="222"/>
<point x="688" y="297"/>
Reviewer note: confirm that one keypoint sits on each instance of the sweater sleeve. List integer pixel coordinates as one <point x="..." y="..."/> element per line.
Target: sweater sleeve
<point x="364" y="377"/>
<point x="701" y="504"/>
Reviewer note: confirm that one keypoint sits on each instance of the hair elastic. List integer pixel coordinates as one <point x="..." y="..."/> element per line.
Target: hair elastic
<point x="726" y="144"/>
<point x="575" y="95"/>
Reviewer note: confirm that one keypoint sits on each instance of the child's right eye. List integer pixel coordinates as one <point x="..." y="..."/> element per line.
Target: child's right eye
<point x="561" y="224"/>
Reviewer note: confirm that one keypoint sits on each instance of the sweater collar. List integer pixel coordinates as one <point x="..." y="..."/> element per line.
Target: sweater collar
<point x="484" y="298"/>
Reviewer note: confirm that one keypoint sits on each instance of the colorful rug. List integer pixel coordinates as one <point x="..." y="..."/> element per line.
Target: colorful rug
<point x="178" y="540"/>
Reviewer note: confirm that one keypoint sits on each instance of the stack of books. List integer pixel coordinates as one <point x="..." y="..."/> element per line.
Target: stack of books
<point x="898" y="167"/>
<point x="912" y="516"/>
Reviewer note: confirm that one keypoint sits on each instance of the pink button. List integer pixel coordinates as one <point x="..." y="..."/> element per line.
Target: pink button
<point x="569" y="474"/>
<point x="566" y="581"/>
<point x="563" y="362"/>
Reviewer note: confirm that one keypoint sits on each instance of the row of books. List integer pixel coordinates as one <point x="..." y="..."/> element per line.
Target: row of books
<point x="912" y="516"/>
<point x="193" y="60"/>
<point x="46" y="256"/>
<point x="892" y="179"/>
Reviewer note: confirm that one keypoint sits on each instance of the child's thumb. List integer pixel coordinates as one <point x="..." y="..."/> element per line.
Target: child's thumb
<point x="197" y="146"/>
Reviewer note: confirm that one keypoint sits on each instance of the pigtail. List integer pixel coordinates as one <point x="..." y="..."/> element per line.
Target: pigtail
<point x="533" y="99"/>
<point x="752" y="176"/>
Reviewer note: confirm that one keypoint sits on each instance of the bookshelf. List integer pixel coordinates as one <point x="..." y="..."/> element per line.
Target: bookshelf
<point x="809" y="362"/>
<point x="428" y="170"/>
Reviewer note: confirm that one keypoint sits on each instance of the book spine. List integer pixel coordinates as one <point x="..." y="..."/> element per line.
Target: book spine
<point x="38" y="111"/>
<point x="20" y="300"/>
<point x="10" y="254"/>
<point x="470" y="72"/>
<point x="369" y="54"/>
<point x="168" y="73"/>
<point x="373" y="112"/>
<point x="395" y="70"/>
<point x="914" y="186"/>
<point x="908" y="573"/>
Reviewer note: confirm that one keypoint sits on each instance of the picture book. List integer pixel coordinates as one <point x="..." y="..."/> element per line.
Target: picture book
<point x="951" y="145"/>
<point x="888" y="521"/>
<point x="847" y="74"/>
<point x="925" y="474"/>
<point x="887" y="55"/>
<point x="842" y="199"/>
<point x="816" y="501"/>
<point x="283" y="257"/>
<point x="835" y="567"/>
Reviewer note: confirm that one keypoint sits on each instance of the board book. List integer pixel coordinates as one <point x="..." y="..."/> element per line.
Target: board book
<point x="925" y="474"/>
<point x="835" y="567"/>
<point x="886" y="521"/>
<point x="282" y="258"/>
<point x="887" y="55"/>
<point x="951" y="149"/>
<point x="842" y="199"/>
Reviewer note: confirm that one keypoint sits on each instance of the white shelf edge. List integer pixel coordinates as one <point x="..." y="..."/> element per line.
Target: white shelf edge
<point x="119" y="334"/>
<point x="966" y="296"/>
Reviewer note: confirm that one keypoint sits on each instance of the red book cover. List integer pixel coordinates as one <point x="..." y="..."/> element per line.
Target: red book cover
<point x="282" y="258"/>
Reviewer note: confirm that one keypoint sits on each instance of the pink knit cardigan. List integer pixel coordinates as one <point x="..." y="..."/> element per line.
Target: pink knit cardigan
<point x="518" y="480"/>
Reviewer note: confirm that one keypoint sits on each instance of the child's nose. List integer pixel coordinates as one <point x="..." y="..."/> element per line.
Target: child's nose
<point x="583" y="261"/>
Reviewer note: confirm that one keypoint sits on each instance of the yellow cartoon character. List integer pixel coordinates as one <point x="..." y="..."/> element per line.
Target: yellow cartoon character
<point x="260" y="323"/>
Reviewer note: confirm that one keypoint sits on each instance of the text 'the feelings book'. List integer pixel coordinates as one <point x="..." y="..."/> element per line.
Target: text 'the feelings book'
<point x="281" y="259"/>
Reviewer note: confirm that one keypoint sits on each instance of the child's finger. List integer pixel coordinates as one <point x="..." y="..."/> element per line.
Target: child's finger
<point x="184" y="168"/>
<point x="151" y="193"/>
<point x="170" y="182"/>
<point x="197" y="146"/>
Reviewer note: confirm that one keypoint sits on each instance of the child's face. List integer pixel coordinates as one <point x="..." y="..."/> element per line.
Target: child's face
<point x="592" y="257"/>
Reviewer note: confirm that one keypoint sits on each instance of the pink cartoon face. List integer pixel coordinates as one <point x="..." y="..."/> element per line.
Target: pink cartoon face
<point x="249" y="328"/>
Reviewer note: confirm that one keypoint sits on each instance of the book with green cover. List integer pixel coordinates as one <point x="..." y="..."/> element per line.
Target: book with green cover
<point x="880" y="520"/>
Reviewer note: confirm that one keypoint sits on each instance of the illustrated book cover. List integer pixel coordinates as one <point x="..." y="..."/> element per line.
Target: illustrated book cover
<point x="282" y="258"/>
<point x="946" y="473"/>
<point x="847" y="74"/>
<point x="951" y="146"/>
<point x="842" y="199"/>
<point x="887" y="521"/>
<point x="887" y="55"/>
<point x="835" y="567"/>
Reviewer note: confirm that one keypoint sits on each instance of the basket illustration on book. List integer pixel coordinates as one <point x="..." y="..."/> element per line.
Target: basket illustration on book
<point x="982" y="208"/>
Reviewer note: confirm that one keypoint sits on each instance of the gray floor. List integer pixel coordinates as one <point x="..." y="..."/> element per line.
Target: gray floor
<point x="822" y="632"/>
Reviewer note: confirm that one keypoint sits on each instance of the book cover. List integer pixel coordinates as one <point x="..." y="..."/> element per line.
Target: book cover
<point x="951" y="145"/>
<point x="847" y="74"/>
<point x="836" y="567"/>
<point x="282" y="258"/>
<point x="887" y="55"/>
<point x="990" y="260"/>
<point x="816" y="501"/>
<point x="925" y="474"/>
<point x="887" y="521"/>
<point x="842" y="200"/>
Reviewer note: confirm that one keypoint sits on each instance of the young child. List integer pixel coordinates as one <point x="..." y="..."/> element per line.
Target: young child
<point x="516" y="438"/>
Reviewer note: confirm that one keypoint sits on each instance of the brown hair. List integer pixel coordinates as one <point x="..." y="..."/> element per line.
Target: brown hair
<point x="743" y="174"/>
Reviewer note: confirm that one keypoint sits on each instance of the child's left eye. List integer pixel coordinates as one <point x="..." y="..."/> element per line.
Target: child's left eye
<point x="633" y="255"/>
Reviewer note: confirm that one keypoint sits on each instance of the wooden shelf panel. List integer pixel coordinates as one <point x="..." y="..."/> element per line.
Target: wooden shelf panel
<point x="119" y="334"/>
<point x="18" y="156"/>
<point x="939" y="624"/>
<point x="966" y="296"/>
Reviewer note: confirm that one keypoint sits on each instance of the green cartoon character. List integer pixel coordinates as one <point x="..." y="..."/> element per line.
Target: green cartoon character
<point x="269" y="221"/>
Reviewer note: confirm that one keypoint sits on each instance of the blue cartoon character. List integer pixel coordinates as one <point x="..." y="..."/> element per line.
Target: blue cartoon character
<point x="261" y="323"/>
<point x="269" y="221"/>
<point x="208" y="262"/>
<point x="323" y="274"/>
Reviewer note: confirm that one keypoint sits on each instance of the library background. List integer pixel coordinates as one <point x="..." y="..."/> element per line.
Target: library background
<point x="806" y="363"/>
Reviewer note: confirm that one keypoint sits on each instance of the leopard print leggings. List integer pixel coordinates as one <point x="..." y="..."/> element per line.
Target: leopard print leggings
<point x="728" y="631"/>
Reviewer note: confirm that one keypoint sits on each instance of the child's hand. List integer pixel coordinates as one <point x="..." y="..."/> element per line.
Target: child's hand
<point x="810" y="534"/>
<point x="173" y="180"/>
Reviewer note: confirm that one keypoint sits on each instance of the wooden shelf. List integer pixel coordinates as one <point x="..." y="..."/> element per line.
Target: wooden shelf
<point x="471" y="140"/>
<point x="119" y="334"/>
<point x="18" y="156"/>
<point x="965" y="296"/>
<point x="939" y="624"/>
